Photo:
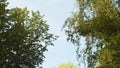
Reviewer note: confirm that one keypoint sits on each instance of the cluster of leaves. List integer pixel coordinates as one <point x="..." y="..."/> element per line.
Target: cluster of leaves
<point x="67" y="65"/>
<point x="99" y="22"/>
<point x="24" y="37"/>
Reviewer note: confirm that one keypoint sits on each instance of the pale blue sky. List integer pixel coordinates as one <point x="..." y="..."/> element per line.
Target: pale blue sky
<point x="55" y="11"/>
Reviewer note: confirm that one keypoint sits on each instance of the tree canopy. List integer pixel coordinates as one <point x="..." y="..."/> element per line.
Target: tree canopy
<point x="98" y="21"/>
<point x="24" y="37"/>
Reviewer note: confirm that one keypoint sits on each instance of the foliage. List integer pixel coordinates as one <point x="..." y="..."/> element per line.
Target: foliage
<point x="24" y="37"/>
<point x="98" y="21"/>
<point x="67" y="65"/>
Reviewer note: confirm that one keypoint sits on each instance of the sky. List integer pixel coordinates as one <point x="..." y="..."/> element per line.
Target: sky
<point x="56" y="12"/>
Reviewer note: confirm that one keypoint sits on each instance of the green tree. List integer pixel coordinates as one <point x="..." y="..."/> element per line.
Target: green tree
<point x="24" y="37"/>
<point x="98" y="21"/>
<point x="67" y="65"/>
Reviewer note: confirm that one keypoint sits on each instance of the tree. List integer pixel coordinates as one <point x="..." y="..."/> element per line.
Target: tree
<point x="98" y="21"/>
<point x="24" y="37"/>
<point x="67" y="65"/>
